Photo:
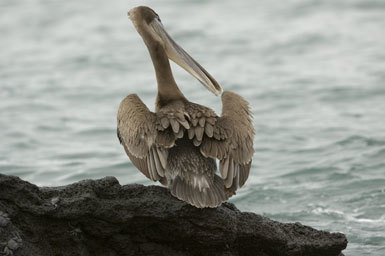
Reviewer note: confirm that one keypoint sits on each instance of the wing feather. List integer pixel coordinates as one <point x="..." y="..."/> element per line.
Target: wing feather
<point x="162" y="154"/>
<point x="138" y="133"/>
<point x="199" y="133"/>
<point x="175" y="125"/>
<point x="158" y="164"/>
<point x="231" y="141"/>
<point x="209" y="130"/>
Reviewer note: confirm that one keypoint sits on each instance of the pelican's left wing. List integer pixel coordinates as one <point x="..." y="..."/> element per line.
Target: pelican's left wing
<point x="137" y="132"/>
<point x="231" y="141"/>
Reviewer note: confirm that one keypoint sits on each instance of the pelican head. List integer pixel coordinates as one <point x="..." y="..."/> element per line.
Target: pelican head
<point x="149" y="26"/>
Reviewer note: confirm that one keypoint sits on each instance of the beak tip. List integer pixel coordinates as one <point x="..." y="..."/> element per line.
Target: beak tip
<point x="219" y="91"/>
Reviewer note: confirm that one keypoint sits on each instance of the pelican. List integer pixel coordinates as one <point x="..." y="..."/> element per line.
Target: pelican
<point x="179" y="144"/>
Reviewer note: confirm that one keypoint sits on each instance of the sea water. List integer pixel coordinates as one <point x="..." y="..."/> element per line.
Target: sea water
<point x="313" y="72"/>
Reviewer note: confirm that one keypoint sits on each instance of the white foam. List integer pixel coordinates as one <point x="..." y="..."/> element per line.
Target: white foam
<point x="320" y="211"/>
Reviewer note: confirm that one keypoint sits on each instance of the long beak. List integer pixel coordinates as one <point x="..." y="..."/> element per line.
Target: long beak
<point x="183" y="59"/>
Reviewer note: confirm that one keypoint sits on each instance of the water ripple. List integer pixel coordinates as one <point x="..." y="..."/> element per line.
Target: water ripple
<point x="313" y="72"/>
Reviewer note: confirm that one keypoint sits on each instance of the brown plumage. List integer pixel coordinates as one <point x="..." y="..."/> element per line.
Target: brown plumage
<point x="178" y="144"/>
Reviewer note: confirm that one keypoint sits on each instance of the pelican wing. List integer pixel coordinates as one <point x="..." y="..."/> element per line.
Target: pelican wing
<point x="137" y="132"/>
<point x="231" y="141"/>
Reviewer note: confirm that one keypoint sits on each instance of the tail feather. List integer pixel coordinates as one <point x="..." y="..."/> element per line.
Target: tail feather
<point x="212" y="196"/>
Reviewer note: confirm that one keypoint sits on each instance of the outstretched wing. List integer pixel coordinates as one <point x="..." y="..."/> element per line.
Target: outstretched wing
<point x="137" y="133"/>
<point x="147" y="136"/>
<point x="231" y="141"/>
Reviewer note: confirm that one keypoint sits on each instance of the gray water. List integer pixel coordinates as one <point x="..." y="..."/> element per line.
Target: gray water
<point x="313" y="71"/>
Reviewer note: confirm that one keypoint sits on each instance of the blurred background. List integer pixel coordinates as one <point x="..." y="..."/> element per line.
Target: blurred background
<point x="313" y="71"/>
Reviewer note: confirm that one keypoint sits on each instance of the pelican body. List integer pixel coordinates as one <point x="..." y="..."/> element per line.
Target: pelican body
<point x="179" y="143"/>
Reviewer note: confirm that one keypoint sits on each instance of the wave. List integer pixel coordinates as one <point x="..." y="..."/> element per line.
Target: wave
<point x="354" y="139"/>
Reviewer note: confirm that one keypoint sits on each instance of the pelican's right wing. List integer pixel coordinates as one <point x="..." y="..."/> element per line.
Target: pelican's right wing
<point x="137" y="132"/>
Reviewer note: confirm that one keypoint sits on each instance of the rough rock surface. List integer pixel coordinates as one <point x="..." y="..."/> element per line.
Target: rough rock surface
<point x="101" y="217"/>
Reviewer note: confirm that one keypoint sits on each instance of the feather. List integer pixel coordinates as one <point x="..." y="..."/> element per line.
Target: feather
<point x="165" y="122"/>
<point x="199" y="132"/>
<point x="158" y="164"/>
<point x="194" y="197"/>
<point x="209" y="130"/>
<point x="185" y="124"/>
<point x="196" y="142"/>
<point x="179" y="188"/>
<point x="224" y="167"/>
<point x="230" y="174"/>
<point x="194" y="121"/>
<point x="236" y="177"/>
<point x="187" y="116"/>
<point x="210" y="120"/>
<point x="191" y="133"/>
<point x="162" y="157"/>
<point x="149" y="168"/>
<point x="165" y="139"/>
<point x="153" y="171"/>
<point x="179" y="116"/>
<point x="202" y="121"/>
<point x="210" y="196"/>
<point x="179" y="134"/>
<point x="174" y="125"/>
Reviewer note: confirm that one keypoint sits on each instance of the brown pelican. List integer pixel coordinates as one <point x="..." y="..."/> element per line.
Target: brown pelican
<point x="178" y="144"/>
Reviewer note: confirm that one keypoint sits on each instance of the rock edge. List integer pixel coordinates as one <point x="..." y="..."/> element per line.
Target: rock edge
<point x="101" y="217"/>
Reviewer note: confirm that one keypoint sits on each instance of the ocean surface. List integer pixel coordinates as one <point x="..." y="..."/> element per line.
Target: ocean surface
<point x="313" y="71"/>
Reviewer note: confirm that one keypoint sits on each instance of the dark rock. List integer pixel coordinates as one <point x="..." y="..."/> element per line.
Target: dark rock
<point x="101" y="217"/>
